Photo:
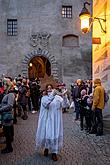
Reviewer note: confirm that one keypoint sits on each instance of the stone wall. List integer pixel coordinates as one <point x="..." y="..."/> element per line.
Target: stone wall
<point x="44" y="16"/>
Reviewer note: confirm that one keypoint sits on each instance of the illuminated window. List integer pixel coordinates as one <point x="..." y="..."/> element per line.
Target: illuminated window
<point x="12" y="27"/>
<point x="67" y="11"/>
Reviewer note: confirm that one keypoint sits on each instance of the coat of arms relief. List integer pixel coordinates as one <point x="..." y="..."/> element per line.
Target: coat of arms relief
<point x="40" y="39"/>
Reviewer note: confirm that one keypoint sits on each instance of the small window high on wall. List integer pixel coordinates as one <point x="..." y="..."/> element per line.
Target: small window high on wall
<point x="12" y="27"/>
<point x="70" y="41"/>
<point x="67" y="11"/>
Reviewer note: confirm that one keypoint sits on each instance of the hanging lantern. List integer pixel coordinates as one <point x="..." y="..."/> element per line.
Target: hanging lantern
<point x="85" y="17"/>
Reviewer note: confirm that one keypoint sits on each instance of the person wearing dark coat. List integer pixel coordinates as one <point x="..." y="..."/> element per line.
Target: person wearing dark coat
<point x="76" y="95"/>
<point x="35" y="95"/>
<point x="85" y="111"/>
<point x="23" y="98"/>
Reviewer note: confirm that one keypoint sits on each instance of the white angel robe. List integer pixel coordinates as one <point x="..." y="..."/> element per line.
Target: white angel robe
<point x="50" y="125"/>
<point x="66" y="102"/>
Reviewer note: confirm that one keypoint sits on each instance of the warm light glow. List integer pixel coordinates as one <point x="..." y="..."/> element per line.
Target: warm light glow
<point x="63" y="12"/>
<point x="85" y="23"/>
<point x="30" y="64"/>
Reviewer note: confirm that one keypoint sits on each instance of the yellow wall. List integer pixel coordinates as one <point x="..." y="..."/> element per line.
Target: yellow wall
<point x="101" y="52"/>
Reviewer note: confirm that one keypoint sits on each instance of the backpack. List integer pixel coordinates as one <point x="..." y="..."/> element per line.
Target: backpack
<point x="106" y="97"/>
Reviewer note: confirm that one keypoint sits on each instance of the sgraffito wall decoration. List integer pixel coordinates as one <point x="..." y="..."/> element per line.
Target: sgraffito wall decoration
<point x="101" y="52"/>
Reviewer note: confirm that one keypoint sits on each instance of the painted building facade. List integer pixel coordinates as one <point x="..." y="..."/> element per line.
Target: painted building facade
<point x="101" y="51"/>
<point x="46" y="34"/>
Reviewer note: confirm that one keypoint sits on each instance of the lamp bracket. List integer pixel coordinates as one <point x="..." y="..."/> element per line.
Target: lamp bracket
<point x="86" y="3"/>
<point x="86" y="12"/>
<point x="99" y="20"/>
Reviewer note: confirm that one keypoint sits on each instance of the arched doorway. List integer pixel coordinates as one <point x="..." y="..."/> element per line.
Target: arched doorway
<point x="40" y="53"/>
<point x="38" y="67"/>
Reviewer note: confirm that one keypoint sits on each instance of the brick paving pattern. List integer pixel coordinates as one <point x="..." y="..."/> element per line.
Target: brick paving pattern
<point x="79" y="148"/>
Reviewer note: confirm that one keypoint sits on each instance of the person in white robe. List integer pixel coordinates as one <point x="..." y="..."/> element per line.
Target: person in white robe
<point x="49" y="134"/>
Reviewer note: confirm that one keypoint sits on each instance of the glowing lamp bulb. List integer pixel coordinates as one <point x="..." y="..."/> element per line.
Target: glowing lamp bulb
<point x="30" y="64"/>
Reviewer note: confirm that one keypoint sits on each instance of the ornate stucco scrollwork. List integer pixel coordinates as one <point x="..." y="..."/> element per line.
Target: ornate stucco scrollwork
<point x="39" y="39"/>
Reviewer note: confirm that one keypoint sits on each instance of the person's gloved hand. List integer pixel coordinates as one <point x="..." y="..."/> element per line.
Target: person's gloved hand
<point x="54" y="92"/>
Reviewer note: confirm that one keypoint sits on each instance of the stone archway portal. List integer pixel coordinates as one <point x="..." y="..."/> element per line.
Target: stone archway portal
<point x="37" y="53"/>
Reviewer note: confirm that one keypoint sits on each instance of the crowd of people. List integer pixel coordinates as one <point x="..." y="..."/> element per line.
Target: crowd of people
<point x="89" y="101"/>
<point x="17" y="97"/>
<point x="21" y="95"/>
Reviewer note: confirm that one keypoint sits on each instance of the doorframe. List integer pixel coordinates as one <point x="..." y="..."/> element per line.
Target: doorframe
<point x="40" y="52"/>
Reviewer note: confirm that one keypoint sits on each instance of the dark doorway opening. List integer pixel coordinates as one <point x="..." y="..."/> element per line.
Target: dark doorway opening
<point x="38" y="67"/>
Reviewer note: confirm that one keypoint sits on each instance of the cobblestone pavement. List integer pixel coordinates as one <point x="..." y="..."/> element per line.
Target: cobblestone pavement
<point x="79" y="148"/>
